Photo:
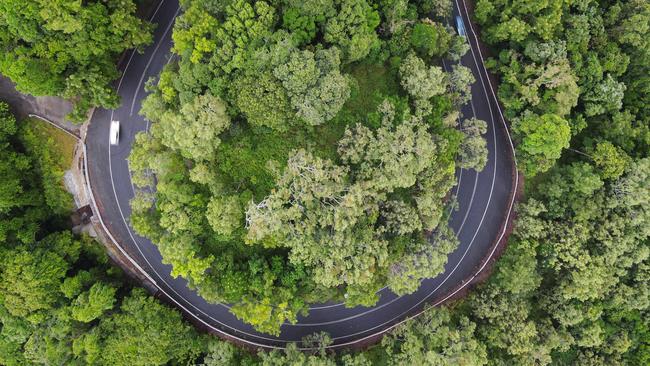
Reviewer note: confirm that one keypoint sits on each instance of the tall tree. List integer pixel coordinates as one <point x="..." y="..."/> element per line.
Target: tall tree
<point x="542" y="139"/>
<point x="353" y="29"/>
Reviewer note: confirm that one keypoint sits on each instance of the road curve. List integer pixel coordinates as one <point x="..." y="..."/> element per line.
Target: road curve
<point x="484" y="200"/>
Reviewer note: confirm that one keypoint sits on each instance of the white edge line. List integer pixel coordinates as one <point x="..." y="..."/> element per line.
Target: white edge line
<point x="227" y="335"/>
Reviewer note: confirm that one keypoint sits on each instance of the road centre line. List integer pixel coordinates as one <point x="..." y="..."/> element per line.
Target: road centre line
<point x="339" y="345"/>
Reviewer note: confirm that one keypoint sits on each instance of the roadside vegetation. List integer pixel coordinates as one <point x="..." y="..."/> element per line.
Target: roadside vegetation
<point x="53" y="151"/>
<point x="303" y="152"/>
<point x="572" y="287"/>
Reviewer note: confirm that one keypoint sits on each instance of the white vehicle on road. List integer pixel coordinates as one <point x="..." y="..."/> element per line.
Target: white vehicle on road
<point x="115" y="133"/>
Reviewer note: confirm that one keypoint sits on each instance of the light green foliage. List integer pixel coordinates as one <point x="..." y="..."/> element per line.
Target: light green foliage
<point x="353" y="29"/>
<point x="461" y="79"/>
<point x="314" y="7"/>
<point x="199" y="35"/>
<point x="293" y="356"/>
<point x="327" y="214"/>
<point x="68" y="48"/>
<point x="542" y="139"/>
<point x="422" y="83"/>
<point x="433" y="185"/>
<point x="580" y="180"/>
<point x="53" y="152"/>
<point x="225" y="214"/>
<point x="551" y="66"/>
<point x="606" y="96"/>
<point x="389" y="158"/>
<point x="314" y="84"/>
<point x="473" y="150"/>
<point x="31" y="278"/>
<point x="458" y="48"/>
<point x="611" y="160"/>
<point x="225" y="353"/>
<point x="91" y="304"/>
<point x="264" y="101"/>
<point x="435" y="338"/>
<point x="586" y="243"/>
<point x="547" y="85"/>
<point x="426" y="259"/>
<point x="30" y="281"/>
<point x="400" y="218"/>
<point x="441" y="8"/>
<point x="265" y="315"/>
<point x="195" y="131"/>
<point x="520" y="18"/>
<point x="73" y="286"/>
<point x="397" y="15"/>
<point x="15" y="331"/>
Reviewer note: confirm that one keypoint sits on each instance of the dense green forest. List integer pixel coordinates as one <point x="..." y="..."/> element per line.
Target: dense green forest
<point x="572" y="287"/>
<point x="302" y="151"/>
<point x="68" y="48"/>
<point x="61" y="300"/>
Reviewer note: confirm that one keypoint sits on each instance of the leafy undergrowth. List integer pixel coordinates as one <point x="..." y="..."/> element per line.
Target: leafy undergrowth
<point x="53" y="152"/>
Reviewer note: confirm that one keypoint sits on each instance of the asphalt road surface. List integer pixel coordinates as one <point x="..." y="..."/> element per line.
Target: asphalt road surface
<point x="484" y="203"/>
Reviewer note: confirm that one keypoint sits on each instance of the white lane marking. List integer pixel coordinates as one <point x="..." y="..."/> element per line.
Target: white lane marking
<point x="358" y="340"/>
<point x="457" y="189"/>
<point x="373" y="309"/>
<point x="119" y="85"/>
<point x="512" y="201"/>
<point x="327" y="306"/>
<point x="154" y="270"/>
<point x="144" y="72"/>
<point x="460" y="229"/>
<point x="503" y="232"/>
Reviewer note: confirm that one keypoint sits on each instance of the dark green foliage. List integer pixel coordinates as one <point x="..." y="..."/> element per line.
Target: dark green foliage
<point x="353" y="29"/>
<point x="61" y="301"/>
<point x="143" y="332"/>
<point x="21" y="203"/>
<point x="301" y="26"/>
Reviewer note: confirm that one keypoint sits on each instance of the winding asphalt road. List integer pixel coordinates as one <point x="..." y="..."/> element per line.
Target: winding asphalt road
<point x="484" y="199"/>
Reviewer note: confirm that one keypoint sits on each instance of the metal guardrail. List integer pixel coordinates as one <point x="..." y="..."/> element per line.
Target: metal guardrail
<point x="54" y="124"/>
